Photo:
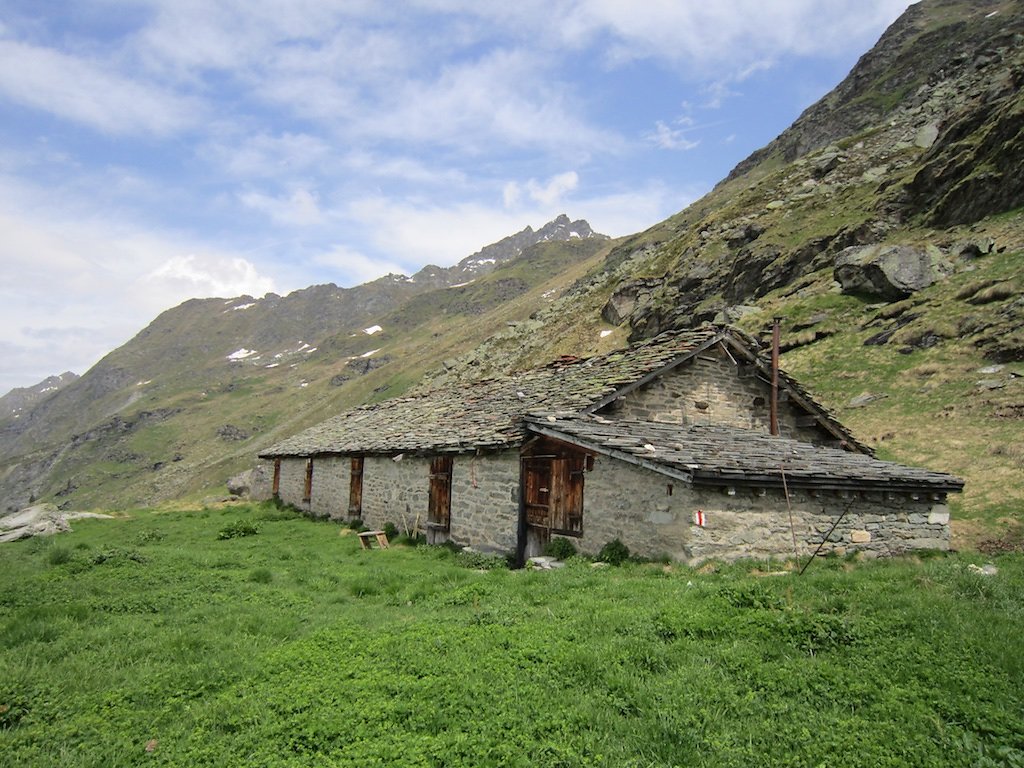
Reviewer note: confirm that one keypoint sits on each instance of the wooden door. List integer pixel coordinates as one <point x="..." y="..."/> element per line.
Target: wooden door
<point x="439" y="505"/>
<point x="307" y="488"/>
<point x="355" y="487"/>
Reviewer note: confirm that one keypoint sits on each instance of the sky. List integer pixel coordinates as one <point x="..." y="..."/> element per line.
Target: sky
<point x="153" y="151"/>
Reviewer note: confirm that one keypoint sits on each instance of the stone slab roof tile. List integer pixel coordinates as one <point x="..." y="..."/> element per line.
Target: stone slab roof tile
<point x="716" y="455"/>
<point x="488" y="413"/>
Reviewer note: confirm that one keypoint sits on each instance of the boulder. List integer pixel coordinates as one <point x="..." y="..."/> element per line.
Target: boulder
<point x="627" y="297"/>
<point x="39" y="520"/>
<point x="240" y="484"/>
<point x="891" y="272"/>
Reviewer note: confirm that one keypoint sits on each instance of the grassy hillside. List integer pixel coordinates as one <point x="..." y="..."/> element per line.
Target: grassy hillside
<point x="292" y="647"/>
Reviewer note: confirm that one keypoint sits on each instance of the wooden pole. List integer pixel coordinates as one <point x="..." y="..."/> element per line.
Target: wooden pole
<point x="774" y="413"/>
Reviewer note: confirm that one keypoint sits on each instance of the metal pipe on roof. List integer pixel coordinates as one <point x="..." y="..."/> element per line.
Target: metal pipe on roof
<point x="774" y="412"/>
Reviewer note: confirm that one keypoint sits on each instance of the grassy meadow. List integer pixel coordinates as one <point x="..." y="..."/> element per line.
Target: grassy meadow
<point x="174" y="639"/>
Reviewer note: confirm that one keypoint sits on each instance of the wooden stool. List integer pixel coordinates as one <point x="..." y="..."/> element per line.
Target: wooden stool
<point x="366" y="537"/>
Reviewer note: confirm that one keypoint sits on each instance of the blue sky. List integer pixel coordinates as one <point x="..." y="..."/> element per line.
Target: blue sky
<point x="153" y="151"/>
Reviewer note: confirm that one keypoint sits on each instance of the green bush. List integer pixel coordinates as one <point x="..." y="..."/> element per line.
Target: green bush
<point x="58" y="555"/>
<point x="261" y="575"/>
<point x="117" y="556"/>
<point x="390" y="530"/>
<point x="236" y="529"/>
<point x="560" y="549"/>
<point x="481" y="561"/>
<point x="410" y="541"/>
<point x="356" y="524"/>
<point x="613" y="553"/>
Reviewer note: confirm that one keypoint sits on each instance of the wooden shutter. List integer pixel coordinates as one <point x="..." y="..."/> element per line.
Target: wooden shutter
<point x="567" y="495"/>
<point x="537" y="491"/>
<point x="439" y="506"/>
<point x="276" y="488"/>
<point x="307" y="489"/>
<point x="355" y="487"/>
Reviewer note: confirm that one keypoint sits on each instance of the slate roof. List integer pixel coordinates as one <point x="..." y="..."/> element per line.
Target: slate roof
<point x="717" y="455"/>
<point x="490" y="414"/>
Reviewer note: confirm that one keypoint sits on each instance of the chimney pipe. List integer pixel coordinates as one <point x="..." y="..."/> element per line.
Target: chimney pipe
<point x="774" y="412"/>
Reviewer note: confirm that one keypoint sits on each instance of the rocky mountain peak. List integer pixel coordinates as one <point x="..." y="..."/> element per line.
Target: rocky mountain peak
<point x="22" y="399"/>
<point x="488" y="258"/>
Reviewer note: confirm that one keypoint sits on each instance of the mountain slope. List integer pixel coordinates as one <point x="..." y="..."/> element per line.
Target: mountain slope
<point x="885" y="228"/>
<point x="161" y="415"/>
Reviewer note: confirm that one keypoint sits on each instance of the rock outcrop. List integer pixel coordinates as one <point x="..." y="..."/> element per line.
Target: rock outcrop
<point x="39" y="520"/>
<point x="890" y="272"/>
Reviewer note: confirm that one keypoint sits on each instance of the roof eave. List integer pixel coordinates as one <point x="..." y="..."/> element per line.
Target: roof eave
<point x="629" y="458"/>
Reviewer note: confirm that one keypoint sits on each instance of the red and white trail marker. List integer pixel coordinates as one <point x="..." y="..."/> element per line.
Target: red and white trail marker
<point x="699" y="518"/>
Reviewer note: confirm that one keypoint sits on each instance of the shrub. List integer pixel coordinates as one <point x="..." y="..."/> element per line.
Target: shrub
<point x="356" y="524"/>
<point x="560" y="549"/>
<point x="237" y="529"/>
<point x="410" y="541"/>
<point x="481" y="561"/>
<point x="261" y="576"/>
<point x="58" y="555"/>
<point x="613" y="553"/>
<point x="117" y="556"/>
<point x="390" y="530"/>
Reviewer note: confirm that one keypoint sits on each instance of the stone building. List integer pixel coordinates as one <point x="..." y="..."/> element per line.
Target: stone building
<point x="677" y="446"/>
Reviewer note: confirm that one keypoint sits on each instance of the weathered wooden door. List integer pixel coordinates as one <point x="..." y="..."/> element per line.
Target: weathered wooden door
<point x="439" y="504"/>
<point x="355" y="487"/>
<point x="552" y="493"/>
<point x="567" y="495"/>
<point x="276" y="487"/>
<point x="307" y="487"/>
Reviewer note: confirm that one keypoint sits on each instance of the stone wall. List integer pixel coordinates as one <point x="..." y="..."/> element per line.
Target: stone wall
<point x="396" y="491"/>
<point x="709" y="390"/>
<point x="293" y="482"/>
<point x="485" y="501"/>
<point x="485" y="494"/>
<point x="330" y="487"/>
<point x="654" y="516"/>
<point x="650" y="513"/>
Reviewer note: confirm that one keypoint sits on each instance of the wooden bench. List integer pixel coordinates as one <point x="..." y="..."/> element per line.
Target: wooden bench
<point x="366" y="539"/>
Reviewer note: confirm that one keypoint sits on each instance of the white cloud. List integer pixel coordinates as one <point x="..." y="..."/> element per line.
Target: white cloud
<point x="197" y="276"/>
<point x="665" y="137"/>
<point x="734" y="34"/>
<point x="617" y="213"/>
<point x="555" y="189"/>
<point x="548" y="194"/>
<point x="301" y="208"/>
<point x="351" y="267"/>
<point x="426" y="232"/>
<point x="85" y="284"/>
<point x="504" y="97"/>
<point x="265" y="155"/>
<point x="403" y="168"/>
<point x="86" y="92"/>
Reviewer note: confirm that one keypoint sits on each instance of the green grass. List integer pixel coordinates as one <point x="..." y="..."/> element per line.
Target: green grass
<point x="149" y="640"/>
